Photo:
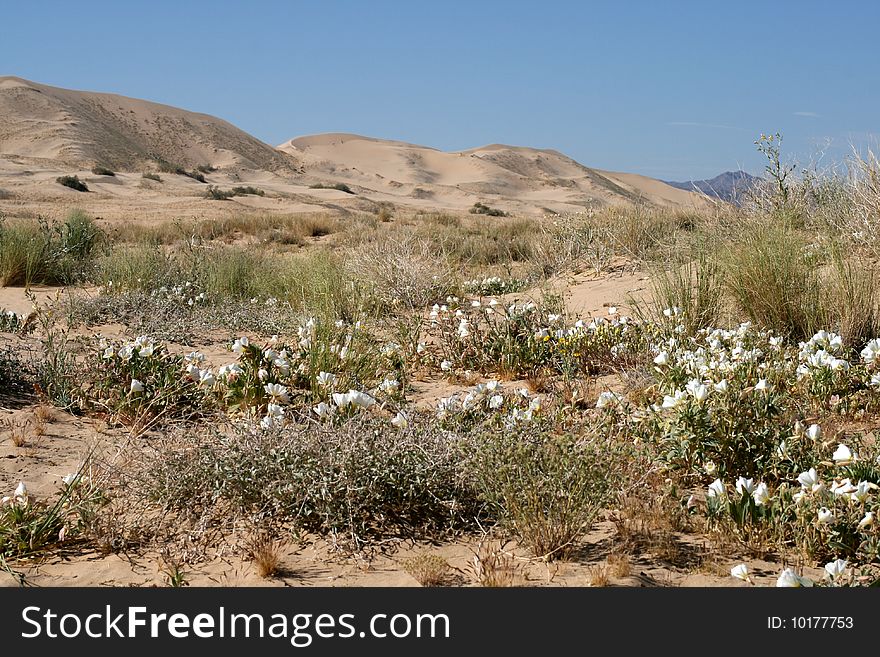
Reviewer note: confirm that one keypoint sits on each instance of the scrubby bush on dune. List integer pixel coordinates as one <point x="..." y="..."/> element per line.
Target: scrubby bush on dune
<point x="342" y="187"/>
<point x="73" y="182"/>
<point x="99" y="170"/>
<point x="482" y="208"/>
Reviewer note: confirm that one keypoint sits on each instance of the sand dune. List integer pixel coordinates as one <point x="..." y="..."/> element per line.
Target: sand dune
<point x="514" y="178"/>
<point x="85" y="128"/>
<point x="47" y="131"/>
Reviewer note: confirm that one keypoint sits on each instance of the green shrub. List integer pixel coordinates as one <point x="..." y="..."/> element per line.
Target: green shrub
<point x="73" y="182"/>
<point x="546" y="489"/>
<point x="152" y="176"/>
<point x="50" y="254"/>
<point x="359" y="481"/>
<point x="98" y="170"/>
<point x="775" y="279"/>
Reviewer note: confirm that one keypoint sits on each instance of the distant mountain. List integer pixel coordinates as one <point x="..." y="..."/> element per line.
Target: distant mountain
<point x="729" y="186"/>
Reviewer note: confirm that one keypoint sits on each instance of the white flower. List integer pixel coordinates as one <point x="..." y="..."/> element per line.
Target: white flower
<point x="69" y="478"/>
<point x="782" y="450"/>
<point x="194" y="357"/>
<point x="836" y="568"/>
<point x="717" y="489"/>
<point x="193" y="371"/>
<point x="843" y="487"/>
<point x="206" y="378"/>
<point x="399" y="421"/>
<point x="21" y="492"/>
<point x="741" y="572"/>
<point x="606" y="398"/>
<point x="697" y="390"/>
<point x="762" y="386"/>
<point x="240" y="345"/>
<point x="867" y="521"/>
<point x="674" y="400"/>
<point x="496" y="401"/>
<point x="692" y="502"/>
<point x="360" y="399"/>
<point x="661" y="359"/>
<point x="277" y="391"/>
<point x="761" y="494"/>
<point x="136" y="386"/>
<point x="809" y="479"/>
<point x="275" y="410"/>
<point x="109" y="353"/>
<point x="262" y="374"/>
<point x="824" y="516"/>
<point x="721" y="386"/>
<point x="863" y="491"/>
<point x="871" y="352"/>
<point x="842" y="455"/>
<point x="814" y="432"/>
<point x="789" y="578"/>
<point x="745" y="486"/>
<point x="389" y="386"/>
<point x="710" y="467"/>
<point x="230" y="371"/>
<point x="446" y="366"/>
<point x="323" y="410"/>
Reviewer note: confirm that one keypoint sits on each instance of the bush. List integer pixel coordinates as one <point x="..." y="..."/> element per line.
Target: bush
<point x="73" y="182"/>
<point x="167" y="167"/>
<point x="217" y="194"/>
<point x="481" y="208"/>
<point x="46" y="253"/>
<point x="775" y="279"/>
<point x="206" y="168"/>
<point x="245" y="191"/>
<point x="358" y="481"/>
<point x="547" y="489"/>
<point x="152" y="176"/>
<point x="98" y="170"/>
<point x="342" y="187"/>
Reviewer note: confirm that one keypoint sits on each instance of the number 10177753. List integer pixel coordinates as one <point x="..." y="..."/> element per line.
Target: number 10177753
<point x="810" y="623"/>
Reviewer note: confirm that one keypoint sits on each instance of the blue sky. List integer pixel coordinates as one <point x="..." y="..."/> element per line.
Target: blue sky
<point x="674" y="89"/>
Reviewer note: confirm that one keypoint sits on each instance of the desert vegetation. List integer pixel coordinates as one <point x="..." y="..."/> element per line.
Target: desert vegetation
<point x="277" y="380"/>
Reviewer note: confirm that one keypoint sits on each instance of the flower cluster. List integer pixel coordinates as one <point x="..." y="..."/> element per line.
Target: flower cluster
<point x="493" y="285"/>
<point x="9" y="321"/>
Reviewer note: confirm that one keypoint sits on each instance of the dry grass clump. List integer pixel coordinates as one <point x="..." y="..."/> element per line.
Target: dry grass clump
<point x="428" y="569"/>
<point x="492" y="566"/>
<point x="618" y="565"/>
<point x="403" y="272"/>
<point x="598" y="575"/>
<point x="265" y="551"/>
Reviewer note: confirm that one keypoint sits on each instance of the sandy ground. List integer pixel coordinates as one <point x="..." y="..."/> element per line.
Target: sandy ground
<point x="43" y="460"/>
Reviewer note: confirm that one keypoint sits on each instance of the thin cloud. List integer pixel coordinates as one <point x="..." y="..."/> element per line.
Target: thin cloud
<point x="697" y="124"/>
<point x="811" y="115"/>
